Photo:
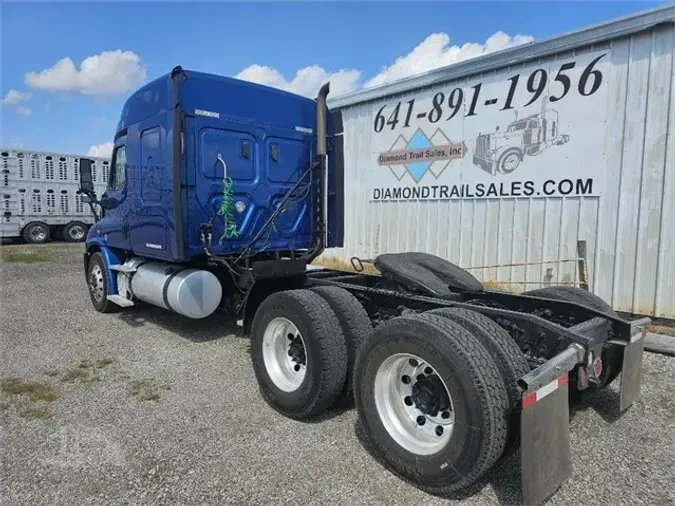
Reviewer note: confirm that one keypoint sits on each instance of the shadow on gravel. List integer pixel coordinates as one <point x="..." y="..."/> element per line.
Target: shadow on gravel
<point x="216" y="326"/>
<point x="604" y="402"/>
<point x="504" y="477"/>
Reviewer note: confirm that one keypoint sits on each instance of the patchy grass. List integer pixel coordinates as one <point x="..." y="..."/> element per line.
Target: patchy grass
<point x="662" y="329"/>
<point x="147" y="389"/>
<point x="343" y="265"/>
<point x="26" y="255"/>
<point x="34" y="390"/>
<point x="85" y="370"/>
<point x="33" y="412"/>
<point x="499" y="286"/>
<point x="75" y="374"/>
<point x="104" y="362"/>
<point x="52" y="373"/>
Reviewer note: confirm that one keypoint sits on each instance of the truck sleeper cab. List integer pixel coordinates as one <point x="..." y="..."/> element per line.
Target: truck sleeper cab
<point x="222" y="192"/>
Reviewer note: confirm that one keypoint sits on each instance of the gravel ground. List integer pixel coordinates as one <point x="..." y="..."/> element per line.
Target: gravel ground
<point x="206" y="436"/>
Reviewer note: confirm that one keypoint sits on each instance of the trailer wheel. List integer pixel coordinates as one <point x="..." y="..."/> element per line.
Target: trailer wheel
<point x="611" y="357"/>
<point x="299" y="353"/>
<point x="75" y="231"/>
<point x="97" y="281"/>
<point x="431" y="402"/>
<point x="510" y="361"/>
<point x="36" y="232"/>
<point x="355" y="323"/>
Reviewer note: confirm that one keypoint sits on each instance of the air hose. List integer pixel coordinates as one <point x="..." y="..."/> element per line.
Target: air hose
<point x="226" y="210"/>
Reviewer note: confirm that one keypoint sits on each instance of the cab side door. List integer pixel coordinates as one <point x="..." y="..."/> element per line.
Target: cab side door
<point x="115" y="225"/>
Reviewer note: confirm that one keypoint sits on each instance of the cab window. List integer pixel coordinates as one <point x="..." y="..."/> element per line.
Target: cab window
<point x="118" y="170"/>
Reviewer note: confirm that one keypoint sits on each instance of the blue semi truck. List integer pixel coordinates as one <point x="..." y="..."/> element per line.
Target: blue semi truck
<point x="222" y="193"/>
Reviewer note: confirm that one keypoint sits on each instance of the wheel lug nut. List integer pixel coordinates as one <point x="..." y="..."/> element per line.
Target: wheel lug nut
<point x="445" y="415"/>
<point x="296" y="368"/>
<point x="290" y="336"/>
<point x="439" y="430"/>
<point x="413" y="362"/>
<point x="421" y="420"/>
<point x="408" y="401"/>
<point x="420" y="377"/>
<point x="428" y="370"/>
<point x="405" y="379"/>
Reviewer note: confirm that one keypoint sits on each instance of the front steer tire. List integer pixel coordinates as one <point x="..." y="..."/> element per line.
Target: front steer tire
<point x="97" y="283"/>
<point x="479" y="397"/>
<point x="324" y="347"/>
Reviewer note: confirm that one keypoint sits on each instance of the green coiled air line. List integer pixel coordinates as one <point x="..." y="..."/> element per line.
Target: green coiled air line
<point x="226" y="210"/>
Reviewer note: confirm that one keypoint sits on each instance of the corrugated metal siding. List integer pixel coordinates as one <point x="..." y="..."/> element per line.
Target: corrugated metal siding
<point x="628" y="230"/>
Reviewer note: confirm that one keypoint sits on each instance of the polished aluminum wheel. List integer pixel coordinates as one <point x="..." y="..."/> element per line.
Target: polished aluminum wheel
<point x="414" y="404"/>
<point x="96" y="284"/>
<point x="284" y="354"/>
<point x="76" y="233"/>
<point x="37" y="234"/>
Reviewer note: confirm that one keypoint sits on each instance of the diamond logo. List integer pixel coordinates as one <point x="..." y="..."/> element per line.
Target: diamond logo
<point x="420" y="154"/>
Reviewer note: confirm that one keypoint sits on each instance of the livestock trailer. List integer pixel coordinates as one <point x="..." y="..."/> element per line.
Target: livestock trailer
<point x="40" y="196"/>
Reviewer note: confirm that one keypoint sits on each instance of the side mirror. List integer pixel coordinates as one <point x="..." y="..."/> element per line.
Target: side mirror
<point x="86" y="179"/>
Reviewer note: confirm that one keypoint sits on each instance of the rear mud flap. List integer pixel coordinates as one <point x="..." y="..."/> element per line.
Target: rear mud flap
<point x="631" y="371"/>
<point x="545" y="443"/>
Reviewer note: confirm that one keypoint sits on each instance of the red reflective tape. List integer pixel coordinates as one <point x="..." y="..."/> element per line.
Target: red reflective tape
<point x="529" y="400"/>
<point x="538" y="395"/>
<point x="562" y="380"/>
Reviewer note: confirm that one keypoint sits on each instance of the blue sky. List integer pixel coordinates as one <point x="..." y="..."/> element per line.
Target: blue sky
<point x="66" y="110"/>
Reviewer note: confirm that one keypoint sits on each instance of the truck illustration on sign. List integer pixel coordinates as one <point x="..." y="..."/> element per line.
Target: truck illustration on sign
<point x="502" y="152"/>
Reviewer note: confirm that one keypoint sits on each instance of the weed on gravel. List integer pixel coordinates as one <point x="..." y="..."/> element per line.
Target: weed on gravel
<point x="35" y="412"/>
<point x="34" y="390"/>
<point x="27" y="256"/>
<point x="86" y="371"/>
<point x="147" y="389"/>
<point x="664" y="330"/>
<point x="29" y="398"/>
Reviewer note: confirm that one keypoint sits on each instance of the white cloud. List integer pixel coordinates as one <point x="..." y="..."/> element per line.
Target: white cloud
<point x="15" y="97"/>
<point x="433" y="52"/>
<point x="306" y="81"/>
<point x="107" y="73"/>
<point x="103" y="150"/>
<point x="23" y="110"/>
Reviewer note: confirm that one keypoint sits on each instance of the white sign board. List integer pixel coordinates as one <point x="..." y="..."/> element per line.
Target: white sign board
<point x="534" y="131"/>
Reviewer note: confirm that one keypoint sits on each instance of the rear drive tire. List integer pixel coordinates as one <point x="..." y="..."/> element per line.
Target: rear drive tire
<point x="355" y="323"/>
<point x="97" y="282"/>
<point x="36" y="232"/>
<point x="446" y="361"/>
<point x="75" y="231"/>
<point x="612" y="357"/>
<point x="510" y="361"/>
<point x="299" y="353"/>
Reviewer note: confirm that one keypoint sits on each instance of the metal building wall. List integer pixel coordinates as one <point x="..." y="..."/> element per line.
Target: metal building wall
<point x="629" y="229"/>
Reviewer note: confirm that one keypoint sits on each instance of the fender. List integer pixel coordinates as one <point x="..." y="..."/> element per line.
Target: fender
<point x="110" y="257"/>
